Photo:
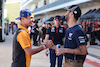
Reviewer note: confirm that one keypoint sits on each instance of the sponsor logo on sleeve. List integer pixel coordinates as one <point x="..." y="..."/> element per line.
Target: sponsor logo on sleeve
<point x="81" y="39"/>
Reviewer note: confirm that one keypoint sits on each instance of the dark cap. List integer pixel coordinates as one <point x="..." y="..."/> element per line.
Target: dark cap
<point x="57" y="17"/>
<point x="76" y="10"/>
<point x="36" y="21"/>
<point x="24" y="13"/>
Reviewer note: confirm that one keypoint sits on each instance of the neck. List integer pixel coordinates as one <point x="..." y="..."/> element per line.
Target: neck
<point x="23" y="25"/>
<point x="71" y="23"/>
<point x="57" y="26"/>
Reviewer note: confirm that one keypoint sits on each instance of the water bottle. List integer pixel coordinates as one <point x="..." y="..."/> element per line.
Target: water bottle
<point x="58" y="46"/>
<point x="47" y="52"/>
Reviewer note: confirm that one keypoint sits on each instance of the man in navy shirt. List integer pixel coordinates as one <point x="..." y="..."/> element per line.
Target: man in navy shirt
<point x="75" y="41"/>
<point x="56" y="34"/>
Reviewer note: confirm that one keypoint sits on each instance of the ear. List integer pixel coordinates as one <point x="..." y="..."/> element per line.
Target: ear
<point x="71" y="13"/>
<point x="22" y="18"/>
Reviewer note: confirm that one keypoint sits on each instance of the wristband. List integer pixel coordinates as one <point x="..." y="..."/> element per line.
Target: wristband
<point x="44" y="46"/>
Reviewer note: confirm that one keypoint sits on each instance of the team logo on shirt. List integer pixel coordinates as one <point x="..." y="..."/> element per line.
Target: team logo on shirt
<point x="61" y="30"/>
<point x="52" y="29"/>
<point x="70" y="35"/>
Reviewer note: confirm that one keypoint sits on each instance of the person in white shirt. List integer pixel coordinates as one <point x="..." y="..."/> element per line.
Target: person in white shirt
<point x="40" y="28"/>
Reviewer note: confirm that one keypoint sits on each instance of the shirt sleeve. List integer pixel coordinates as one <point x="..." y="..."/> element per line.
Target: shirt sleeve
<point x="80" y="38"/>
<point x="23" y="39"/>
<point x="87" y="39"/>
<point x="48" y="31"/>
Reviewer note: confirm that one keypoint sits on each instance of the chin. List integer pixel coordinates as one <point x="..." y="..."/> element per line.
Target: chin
<point x="30" y="24"/>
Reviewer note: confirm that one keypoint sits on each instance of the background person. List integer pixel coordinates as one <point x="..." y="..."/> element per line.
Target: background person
<point x="35" y="34"/>
<point x="40" y="28"/>
<point x="14" y="27"/>
<point x="56" y="34"/>
<point x="43" y="32"/>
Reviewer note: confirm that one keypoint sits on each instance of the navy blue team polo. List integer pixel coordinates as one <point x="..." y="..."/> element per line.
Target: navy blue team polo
<point x="74" y="37"/>
<point x="56" y="34"/>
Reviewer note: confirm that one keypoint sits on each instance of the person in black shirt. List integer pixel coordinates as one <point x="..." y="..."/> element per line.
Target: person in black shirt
<point x="57" y="35"/>
<point x="35" y="28"/>
<point x="43" y="31"/>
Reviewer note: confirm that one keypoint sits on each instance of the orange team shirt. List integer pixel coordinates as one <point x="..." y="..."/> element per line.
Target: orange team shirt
<point x="24" y="39"/>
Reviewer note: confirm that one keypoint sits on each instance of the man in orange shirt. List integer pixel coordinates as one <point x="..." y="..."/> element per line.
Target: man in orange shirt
<point x="22" y="49"/>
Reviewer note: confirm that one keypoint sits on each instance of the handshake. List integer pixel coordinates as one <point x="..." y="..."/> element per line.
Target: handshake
<point x="48" y="44"/>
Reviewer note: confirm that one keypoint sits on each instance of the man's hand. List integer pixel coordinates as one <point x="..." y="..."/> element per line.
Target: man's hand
<point x="48" y="43"/>
<point x="60" y="51"/>
<point x="82" y="50"/>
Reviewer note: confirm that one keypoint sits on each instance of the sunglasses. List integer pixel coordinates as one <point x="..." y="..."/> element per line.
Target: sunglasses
<point x="71" y="9"/>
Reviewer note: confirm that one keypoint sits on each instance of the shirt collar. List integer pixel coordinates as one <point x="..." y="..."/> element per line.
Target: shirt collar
<point x="58" y="27"/>
<point x="22" y="27"/>
<point x="73" y="26"/>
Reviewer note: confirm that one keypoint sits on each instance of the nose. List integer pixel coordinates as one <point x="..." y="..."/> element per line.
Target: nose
<point x="33" y="21"/>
